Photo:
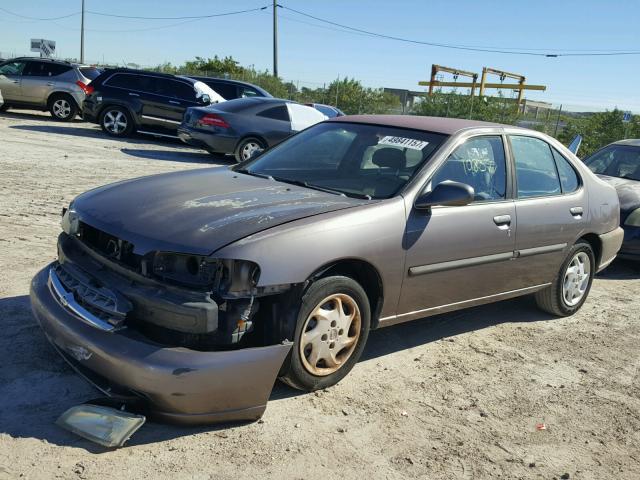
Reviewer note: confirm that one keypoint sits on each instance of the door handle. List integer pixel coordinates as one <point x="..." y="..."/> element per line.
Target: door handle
<point x="50" y="84"/>
<point x="15" y="81"/>
<point x="134" y="94"/>
<point x="174" y="102"/>
<point x="502" y="220"/>
<point x="576" y="211"/>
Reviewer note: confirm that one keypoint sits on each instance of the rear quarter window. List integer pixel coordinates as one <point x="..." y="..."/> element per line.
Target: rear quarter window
<point x="275" y="113"/>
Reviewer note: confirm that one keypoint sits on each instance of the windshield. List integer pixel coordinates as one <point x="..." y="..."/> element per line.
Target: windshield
<point x="616" y="161"/>
<point x="353" y="159"/>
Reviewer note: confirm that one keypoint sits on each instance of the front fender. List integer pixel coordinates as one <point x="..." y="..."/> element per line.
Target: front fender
<point x="291" y="253"/>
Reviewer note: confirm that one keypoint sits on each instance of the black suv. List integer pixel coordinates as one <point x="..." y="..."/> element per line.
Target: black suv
<point x="232" y="89"/>
<point x="123" y="100"/>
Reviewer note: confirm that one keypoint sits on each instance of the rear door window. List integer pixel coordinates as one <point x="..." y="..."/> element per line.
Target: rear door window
<point x="129" y="81"/>
<point x="479" y="162"/>
<point x="536" y="171"/>
<point x="275" y="113"/>
<point x="568" y="177"/>
<point x="168" y="87"/>
<point x="45" y="69"/>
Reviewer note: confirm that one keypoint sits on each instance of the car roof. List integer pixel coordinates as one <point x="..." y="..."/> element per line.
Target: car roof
<point x="447" y="126"/>
<point x="134" y="71"/>
<point x="41" y="59"/>
<point x="634" y="142"/>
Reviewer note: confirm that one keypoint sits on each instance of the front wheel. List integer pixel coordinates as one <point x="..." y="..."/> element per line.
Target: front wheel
<point x="116" y="121"/>
<point x="331" y="332"/>
<point x="63" y="108"/>
<point x="570" y="288"/>
<point x="247" y="148"/>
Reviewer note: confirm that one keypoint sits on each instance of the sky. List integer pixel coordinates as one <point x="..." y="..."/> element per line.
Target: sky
<point x="312" y="53"/>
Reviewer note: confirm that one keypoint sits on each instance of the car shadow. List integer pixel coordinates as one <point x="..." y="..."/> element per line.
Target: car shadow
<point x="43" y="117"/>
<point x="96" y="132"/>
<point x="36" y="385"/>
<point x="178" y="156"/>
<point x="620" y="269"/>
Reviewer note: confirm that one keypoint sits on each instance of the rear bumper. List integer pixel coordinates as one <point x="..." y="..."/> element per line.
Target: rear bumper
<point x="611" y="242"/>
<point x="631" y="244"/>
<point x="180" y="385"/>
<point x="209" y="141"/>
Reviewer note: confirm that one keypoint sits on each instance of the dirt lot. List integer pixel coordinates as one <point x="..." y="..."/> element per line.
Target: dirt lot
<point x="454" y="396"/>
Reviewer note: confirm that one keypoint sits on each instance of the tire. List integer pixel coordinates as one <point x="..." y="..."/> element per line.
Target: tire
<point x="63" y="107"/>
<point x="116" y="121"/>
<point x="557" y="298"/>
<point x="307" y="368"/>
<point x="248" y="146"/>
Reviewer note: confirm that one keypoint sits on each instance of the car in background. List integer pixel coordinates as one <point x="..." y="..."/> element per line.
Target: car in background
<point x="123" y="101"/>
<point x="328" y="110"/>
<point x="232" y="89"/>
<point x="245" y="126"/>
<point x="45" y="84"/>
<point x="619" y="165"/>
<point x="192" y="291"/>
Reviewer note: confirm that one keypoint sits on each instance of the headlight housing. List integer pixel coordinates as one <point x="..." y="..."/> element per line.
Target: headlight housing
<point x="237" y="278"/>
<point x="70" y="221"/>
<point x="633" y="220"/>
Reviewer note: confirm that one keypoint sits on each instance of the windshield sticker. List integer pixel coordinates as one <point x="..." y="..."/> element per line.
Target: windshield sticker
<point x="411" y="143"/>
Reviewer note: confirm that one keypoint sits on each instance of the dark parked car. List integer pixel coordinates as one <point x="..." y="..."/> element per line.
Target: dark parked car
<point x="245" y="126"/>
<point x="193" y="290"/>
<point x="45" y="84"/>
<point x="328" y="110"/>
<point x="122" y="101"/>
<point x="232" y="89"/>
<point x="619" y="165"/>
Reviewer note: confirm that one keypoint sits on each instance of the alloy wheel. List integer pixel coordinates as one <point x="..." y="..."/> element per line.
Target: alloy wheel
<point x="330" y="334"/>
<point x="115" y="121"/>
<point x="61" y="108"/>
<point x="576" y="279"/>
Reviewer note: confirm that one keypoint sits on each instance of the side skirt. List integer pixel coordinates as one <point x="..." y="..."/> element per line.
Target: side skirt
<point x="427" y="312"/>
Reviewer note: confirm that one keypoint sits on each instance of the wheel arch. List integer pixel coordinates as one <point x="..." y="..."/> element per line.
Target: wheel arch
<point x="596" y="244"/>
<point x="362" y="272"/>
<point x="60" y="93"/>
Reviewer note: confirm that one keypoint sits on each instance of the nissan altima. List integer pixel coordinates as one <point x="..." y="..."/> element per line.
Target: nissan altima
<point x="193" y="291"/>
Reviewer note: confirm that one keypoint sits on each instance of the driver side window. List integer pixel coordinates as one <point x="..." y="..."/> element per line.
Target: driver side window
<point x="478" y="162"/>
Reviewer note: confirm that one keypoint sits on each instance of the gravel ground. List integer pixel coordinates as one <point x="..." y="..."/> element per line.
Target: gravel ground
<point x="453" y="396"/>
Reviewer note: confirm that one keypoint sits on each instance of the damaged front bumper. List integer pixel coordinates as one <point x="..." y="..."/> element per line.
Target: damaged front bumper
<point x="180" y="385"/>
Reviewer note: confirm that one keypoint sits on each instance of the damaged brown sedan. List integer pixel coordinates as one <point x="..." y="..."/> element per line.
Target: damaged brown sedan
<point x="194" y="291"/>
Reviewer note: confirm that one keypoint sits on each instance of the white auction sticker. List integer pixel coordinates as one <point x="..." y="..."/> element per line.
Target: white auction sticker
<point x="411" y="143"/>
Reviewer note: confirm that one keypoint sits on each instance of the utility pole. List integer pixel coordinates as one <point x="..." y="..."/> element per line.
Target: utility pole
<point x="275" y="38"/>
<point x="82" y="35"/>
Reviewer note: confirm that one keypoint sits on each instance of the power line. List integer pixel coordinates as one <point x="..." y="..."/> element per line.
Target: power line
<point x="194" y="17"/>
<point x="501" y="50"/>
<point x="39" y="18"/>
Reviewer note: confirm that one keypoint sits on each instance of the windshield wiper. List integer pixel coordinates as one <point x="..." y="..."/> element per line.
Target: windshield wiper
<point x="255" y="174"/>
<point x="303" y="183"/>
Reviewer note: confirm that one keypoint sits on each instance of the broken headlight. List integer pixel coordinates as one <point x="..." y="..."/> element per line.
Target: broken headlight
<point x="236" y="278"/>
<point x="70" y="221"/>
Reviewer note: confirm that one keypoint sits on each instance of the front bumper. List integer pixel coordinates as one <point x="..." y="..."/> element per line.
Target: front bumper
<point x="212" y="142"/>
<point x="611" y="242"/>
<point x="180" y="385"/>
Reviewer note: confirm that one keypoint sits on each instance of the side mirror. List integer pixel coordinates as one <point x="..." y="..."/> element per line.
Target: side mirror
<point x="447" y="193"/>
<point x="206" y="99"/>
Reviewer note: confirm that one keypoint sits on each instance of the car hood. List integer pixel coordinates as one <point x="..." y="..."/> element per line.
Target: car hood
<point x="628" y="191"/>
<point x="198" y="211"/>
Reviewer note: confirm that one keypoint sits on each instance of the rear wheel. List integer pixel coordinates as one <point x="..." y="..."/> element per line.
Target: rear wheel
<point x="248" y="147"/>
<point x="331" y="332"/>
<point x="116" y="121"/>
<point x="571" y="287"/>
<point x="63" y="107"/>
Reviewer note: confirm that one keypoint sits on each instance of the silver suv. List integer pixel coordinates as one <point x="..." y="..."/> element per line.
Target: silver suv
<point x="45" y="84"/>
